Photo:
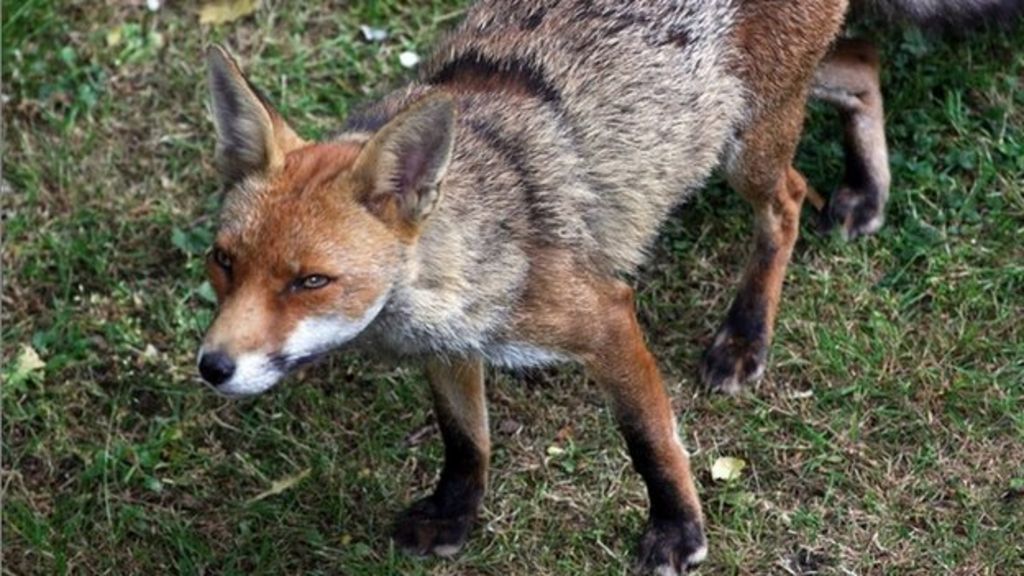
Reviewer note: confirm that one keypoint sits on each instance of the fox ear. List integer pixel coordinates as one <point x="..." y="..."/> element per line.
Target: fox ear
<point x="402" y="165"/>
<point x="251" y="136"/>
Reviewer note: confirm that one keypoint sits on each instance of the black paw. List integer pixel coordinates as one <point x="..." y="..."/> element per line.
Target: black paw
<point x="426" y="529"/>
<point x="854" y="212"/>
<point x="671" y="549"/>
<point x="732" y="361"/>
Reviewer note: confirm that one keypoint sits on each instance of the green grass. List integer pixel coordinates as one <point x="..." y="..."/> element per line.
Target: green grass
<point x="888" y="437"/>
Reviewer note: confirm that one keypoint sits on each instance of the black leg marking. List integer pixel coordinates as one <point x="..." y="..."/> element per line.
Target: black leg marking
<point x="740" y="349"/>
<point x="674" y="539"/>
<point x="440" y="523"/>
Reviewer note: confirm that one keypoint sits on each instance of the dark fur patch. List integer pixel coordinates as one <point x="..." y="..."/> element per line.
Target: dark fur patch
<point x="469" y="68"/>
<point x="952" y="17"/>
<point x="514" y="153"/>
<point x="663" y="491"/>
<point x="462" y="479"/>
<point x="445" y="518"/>
<point x="670" y="544"/>
<point x="855" y="173"/>
<point x="369" y="119"/>
<point x="535" y="19"/>
<point x="743" y="350"/>
<point x="616" y="21"/>
<point x="746" y="318"/>
<point x="859" y="200"/>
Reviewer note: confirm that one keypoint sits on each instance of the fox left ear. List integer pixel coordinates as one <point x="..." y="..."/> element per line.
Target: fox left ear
<point x="402" y="165"/>
<point x="252" y="137"/>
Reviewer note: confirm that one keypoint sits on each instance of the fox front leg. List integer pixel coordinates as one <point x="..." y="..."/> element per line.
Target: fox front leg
<point x="440" y="523"/>
<point x="674" y="539"/>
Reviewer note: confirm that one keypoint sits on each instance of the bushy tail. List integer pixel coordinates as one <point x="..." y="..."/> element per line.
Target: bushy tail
<point x="948" y="14"/>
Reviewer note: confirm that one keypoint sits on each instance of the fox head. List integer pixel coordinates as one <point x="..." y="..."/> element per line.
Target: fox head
<point x="313" y="236"/>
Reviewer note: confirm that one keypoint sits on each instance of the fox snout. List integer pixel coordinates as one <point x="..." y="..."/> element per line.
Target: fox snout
<point x="216" y="368"/>
<point x="247" y="374"/>
<point x="235" y="370"/>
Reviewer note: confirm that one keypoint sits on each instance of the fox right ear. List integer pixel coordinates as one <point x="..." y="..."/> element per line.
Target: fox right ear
<point x="402" y="165"/>
<point x="252" y="138"/>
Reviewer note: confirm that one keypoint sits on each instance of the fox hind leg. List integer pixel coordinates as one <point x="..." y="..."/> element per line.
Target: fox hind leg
<point x="847" y="78"/>
<point x="440" y="523"/>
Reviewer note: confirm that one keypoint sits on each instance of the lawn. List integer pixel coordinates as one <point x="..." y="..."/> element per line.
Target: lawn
<point x="887" y="438"/>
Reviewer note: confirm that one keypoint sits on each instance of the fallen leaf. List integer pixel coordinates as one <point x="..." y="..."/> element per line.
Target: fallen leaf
<point x="28" y="361"/>
<point x="278" y="486"/>
<point x="155" y="39"/>
<point x="224" y="11"/>
<point x="114" y="37"/>
<point x="150" y="353"/>
<point x="409" y="59"/>
<point x="727" y="468"/>
<point x="371" y="34"/>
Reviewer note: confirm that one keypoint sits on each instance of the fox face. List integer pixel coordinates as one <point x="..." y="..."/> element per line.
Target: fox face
<point x="312" y="236"/>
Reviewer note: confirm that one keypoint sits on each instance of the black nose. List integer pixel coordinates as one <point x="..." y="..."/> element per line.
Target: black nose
<point x="216" y="367"/>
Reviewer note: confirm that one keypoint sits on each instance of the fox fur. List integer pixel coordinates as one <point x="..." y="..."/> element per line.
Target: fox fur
<point x="488" y="212"/>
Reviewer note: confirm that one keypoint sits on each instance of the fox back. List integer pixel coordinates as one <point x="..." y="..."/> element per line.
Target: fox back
<point x="591" y="120"/>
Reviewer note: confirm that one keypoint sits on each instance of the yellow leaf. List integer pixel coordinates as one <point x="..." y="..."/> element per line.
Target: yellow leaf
<point x="28" y="361"/>
<point x="727" y="468"/>
<point x="278" y="486"/>
<point x="223" y="11"/>
<point x="114" y="37"/>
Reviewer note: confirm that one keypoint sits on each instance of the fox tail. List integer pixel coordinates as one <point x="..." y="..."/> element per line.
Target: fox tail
<point x="950" y="15"/>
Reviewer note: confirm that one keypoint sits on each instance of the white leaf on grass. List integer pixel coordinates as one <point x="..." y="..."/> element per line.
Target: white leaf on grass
<point x="150" y="352"/>
<point x="224" y="11"/>
<point x="371" y="34"/>
<point x="409" y="59"/>
<point x="727" y="468"/>
<point x="278" y="486"/>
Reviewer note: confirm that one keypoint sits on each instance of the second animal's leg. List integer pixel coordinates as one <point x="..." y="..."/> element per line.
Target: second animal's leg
<point x="440" y="523"/>
<point x="848" y="79"/>
<point x="763" y="175"/>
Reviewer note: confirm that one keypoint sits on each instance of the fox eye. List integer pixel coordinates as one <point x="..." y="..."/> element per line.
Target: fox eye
<point x="313" y="281"/>
<point x="222" y="259"/>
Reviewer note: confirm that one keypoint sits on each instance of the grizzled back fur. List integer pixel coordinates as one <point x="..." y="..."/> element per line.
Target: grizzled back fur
<point x="589" y="120"/>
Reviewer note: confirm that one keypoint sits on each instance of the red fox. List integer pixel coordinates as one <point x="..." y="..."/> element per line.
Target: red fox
<point x="486" y="213"/>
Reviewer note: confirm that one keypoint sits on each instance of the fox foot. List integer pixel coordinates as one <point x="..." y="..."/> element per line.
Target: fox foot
<point x="854" y="212"/>
<point x="670" y="548"/>
<point x="426" y="528"/>
<point x="733" y="361"/>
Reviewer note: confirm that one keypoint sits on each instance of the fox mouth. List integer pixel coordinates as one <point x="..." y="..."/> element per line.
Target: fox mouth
<point x="285" y="363"/>
<point x="313" y="339"/>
